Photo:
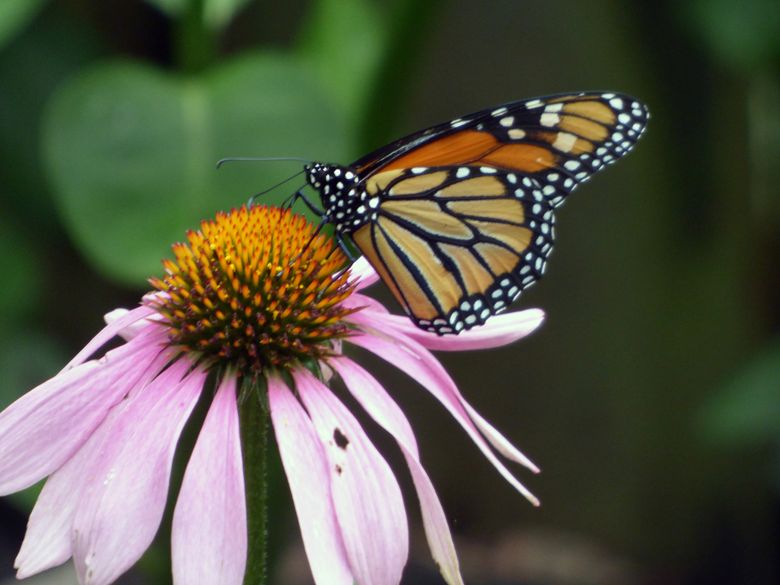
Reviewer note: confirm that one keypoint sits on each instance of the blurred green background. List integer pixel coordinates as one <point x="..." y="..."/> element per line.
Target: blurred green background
<point x="650" y="397"/>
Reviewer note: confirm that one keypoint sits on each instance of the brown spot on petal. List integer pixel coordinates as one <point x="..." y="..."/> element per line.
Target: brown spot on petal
<point x="340" y="439"/>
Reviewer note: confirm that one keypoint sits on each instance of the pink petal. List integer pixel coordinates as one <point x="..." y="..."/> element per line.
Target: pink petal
<point x="47" y="542"/>
<point x="499" y="441"/>
<point x="499" y="330"/>
<point x="362" y="273"/>
<point x="383" y="409"/>
<point x="43" y="428"/>
<point x="369" y="506"/>
<point x="134" y="328"/>
<point x="418" y="363"/>
<point x="306" y="467"/>
<point x="359" y="301"/>
<point x="209" y="539"/>
<point x="122" y="504"/>
<point x="110" y="331"/>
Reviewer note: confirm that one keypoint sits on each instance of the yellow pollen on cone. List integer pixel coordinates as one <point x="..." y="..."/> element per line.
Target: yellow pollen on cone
<point x="255" y="288"/>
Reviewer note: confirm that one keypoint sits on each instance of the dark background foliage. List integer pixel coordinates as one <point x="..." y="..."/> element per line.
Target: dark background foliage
<point x="650" y="397"/>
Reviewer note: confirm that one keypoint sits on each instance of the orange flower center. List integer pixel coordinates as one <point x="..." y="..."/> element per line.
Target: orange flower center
<point x="255" y="289"/>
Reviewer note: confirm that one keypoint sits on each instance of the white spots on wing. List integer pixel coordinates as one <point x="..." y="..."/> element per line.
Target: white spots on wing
<point x="507" y="121"/>
<point x="549" y="119"/>
<point x="564" y="141"/>
<point x="462" y="172"/>
<point x="572" y="165"/>
<point x="498" y="112"/>
<point x="418" y="170"/>
<point x="534" y="104"/>
<point x="616" y="103"/>
<point x="516" y="134"/>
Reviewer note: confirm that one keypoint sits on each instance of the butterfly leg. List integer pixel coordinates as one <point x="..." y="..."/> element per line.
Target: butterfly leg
<point x="346" y="249"/>
<point x="293" y="199"/>
<point x="317" y="231"/>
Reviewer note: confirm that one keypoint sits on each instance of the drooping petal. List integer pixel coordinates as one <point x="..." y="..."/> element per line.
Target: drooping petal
<point x="111" y="330"/>
<point x="499" y="441"/>
<point x="418" y="363"/>
<point x="43" y="428"/>
<point x="362" y="273"/>
<point x="135" y="328"/>
<point x="306" y="467"/>
<point x="209" y="536"/>
<point x="500" y="330"/>
<point x="122" y="505"/>
<point x="368" y="501"/>
<point x="383" y="409"/>
<point x="47" y="542"/>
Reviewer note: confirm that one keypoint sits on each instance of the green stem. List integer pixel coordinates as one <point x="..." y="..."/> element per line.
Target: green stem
<point x="196" y="44"/>
<point x="254" y="421"/>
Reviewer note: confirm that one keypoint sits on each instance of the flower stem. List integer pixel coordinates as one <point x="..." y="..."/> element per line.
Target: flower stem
<point x="195" y="42"/>
<point x="254" y="421"/>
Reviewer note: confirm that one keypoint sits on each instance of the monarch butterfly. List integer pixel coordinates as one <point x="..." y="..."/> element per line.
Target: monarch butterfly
<point x="458" y="219"/>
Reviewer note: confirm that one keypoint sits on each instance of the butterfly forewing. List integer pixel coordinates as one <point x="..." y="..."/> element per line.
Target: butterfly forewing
<point x="559" y="141"/>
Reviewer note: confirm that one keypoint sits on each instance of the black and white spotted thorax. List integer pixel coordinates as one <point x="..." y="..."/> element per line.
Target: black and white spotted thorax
<point x="345" y="202"/>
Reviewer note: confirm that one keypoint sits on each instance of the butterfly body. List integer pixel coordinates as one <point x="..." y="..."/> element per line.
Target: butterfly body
<point x="458" y="219"/>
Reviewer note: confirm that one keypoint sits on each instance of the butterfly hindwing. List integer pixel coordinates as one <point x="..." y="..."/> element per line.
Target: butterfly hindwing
<point x="456" y="244"/>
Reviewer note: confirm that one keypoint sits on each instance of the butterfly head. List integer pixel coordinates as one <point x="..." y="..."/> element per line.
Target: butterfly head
<point x="344" y="200"/>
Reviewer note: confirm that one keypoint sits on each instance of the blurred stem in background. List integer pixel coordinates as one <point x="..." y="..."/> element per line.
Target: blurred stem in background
<point x="196" y="41"/>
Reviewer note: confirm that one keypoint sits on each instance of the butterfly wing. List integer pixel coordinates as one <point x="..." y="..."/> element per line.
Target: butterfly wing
<point x="465" y="214"/>
<point x="560" y="141"/>
<point x="456" y="245"/>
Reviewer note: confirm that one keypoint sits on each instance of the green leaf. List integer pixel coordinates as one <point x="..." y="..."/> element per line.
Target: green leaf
<point x="31" y="68"/>
<point x="745" y="34"/>
<point x="21" y="287"/>
<point x="14" y="16"/>
<point x="747" y="410"/>
<point x="216" y="13"/>
<point x="27" y="358"/>
<point x="131" y="151"/>
<point x="343" y="41"/>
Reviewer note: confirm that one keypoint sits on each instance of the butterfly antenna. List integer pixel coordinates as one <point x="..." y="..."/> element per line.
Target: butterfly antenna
<point x="254" y="197"/>
<point x="228" y="159"/>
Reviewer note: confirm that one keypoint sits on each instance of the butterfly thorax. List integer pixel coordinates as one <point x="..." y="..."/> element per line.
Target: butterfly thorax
<point x="345" y="203"/>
